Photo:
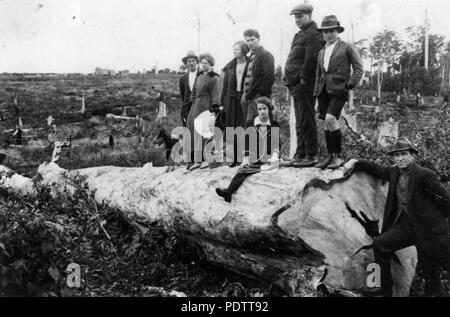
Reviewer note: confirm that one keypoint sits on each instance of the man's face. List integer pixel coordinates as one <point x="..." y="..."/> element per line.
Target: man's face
<point x="263" y="112"/>
<point x="252" y="42"/>
<point x="403" y="159"/>
<point x="191" y="64"/>
<point x="302" y="19"/>
<point x="330" y="36"/>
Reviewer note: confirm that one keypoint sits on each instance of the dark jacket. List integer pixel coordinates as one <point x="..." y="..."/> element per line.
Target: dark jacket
<point x="185" y="94"/>
<point x="230" y="98"/>
<point x="263" y="74"/>
<point x="339" y="72"/>
<point x="261" y="150"/>
<point x="302" y="60"/>
<point x="428" y="205"/>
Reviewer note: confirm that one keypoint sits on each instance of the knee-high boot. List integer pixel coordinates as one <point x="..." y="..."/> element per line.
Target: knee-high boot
<point x="336" y="138"/>
<point x="330" y="149"/>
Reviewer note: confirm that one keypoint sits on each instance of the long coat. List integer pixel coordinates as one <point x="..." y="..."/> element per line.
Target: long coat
<point x="206" y="96"/>
<point x="339" y="72"/>
<point x="428" y="205"/>
<point x="302" y="60"/>
<point x="263" y="74"/>
<point x="230" y="97"/>
<point x="185" y="94"/>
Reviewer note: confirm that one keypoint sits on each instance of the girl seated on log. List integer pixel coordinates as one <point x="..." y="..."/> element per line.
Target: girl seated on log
<point x="262" y="146"/>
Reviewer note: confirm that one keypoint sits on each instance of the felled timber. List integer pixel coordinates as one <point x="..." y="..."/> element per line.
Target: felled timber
<point x="288" y="227"/>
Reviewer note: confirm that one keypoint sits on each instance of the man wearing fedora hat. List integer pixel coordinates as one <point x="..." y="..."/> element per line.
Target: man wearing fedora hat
<point x="415" y="214"/>
<point x="334" y="79"/>
<point x="186" y="84"/>
<point x="300" y="77"/>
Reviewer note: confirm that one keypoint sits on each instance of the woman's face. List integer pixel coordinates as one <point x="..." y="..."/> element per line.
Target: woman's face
<point x="205" y="65"/>
<point x="237" y="51"/>
<point x="330" y="36"/>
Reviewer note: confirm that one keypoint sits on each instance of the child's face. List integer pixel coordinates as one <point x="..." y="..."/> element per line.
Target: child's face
<point x="263" y="112"/>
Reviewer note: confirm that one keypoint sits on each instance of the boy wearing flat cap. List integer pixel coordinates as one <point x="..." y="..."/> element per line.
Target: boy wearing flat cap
<point x="415" y="214"/>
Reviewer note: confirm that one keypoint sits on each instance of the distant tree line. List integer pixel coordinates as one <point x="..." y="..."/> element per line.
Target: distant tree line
<point x="399" y="65"/>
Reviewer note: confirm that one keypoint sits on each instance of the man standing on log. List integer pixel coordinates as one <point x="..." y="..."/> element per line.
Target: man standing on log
<point x="415" y="214"/>
<point x="186" y="84"/>
<point x="300" y="75"/>
<point x="259" y="75"/>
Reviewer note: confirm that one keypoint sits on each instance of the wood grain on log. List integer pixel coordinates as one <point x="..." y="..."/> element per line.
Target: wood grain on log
<point x="285" y="226"/>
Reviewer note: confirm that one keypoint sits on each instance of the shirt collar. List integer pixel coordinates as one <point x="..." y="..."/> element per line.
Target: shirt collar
<point x="259" y="48"/>
<point x="335" y="42"/>
<point x="258" y="121"/>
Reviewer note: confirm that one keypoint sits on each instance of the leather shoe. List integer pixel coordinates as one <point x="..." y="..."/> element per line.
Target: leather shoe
<point x="325" y="162"/>
<point x="223" y="193"/>
<point x="195" y="166"/>
<point x="309" y="161"/>
<point x="336" y="162"/>
<point x="234" y="164"/>
<point x="376" y="292"/>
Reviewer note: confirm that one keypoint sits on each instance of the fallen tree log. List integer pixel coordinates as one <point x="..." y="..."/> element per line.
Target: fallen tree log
<point x="288" y="227"/>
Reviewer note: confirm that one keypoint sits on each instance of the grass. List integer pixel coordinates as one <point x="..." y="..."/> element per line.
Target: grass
<point x="157" y="258"/>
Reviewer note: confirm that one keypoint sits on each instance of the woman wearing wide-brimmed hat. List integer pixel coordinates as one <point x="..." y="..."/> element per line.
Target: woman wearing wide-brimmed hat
<point x="334" y="79"/>
<point x="232" y="88"/>
<point x="205" y="96"/>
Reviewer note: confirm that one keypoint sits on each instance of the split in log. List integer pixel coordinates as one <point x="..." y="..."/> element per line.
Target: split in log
<point x="287" y="227"/>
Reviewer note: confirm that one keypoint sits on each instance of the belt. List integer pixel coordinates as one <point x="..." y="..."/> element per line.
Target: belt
<point x="234" y="93"/>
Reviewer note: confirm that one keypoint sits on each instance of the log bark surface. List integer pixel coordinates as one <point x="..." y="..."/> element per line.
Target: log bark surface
<point x="286" y="226"/>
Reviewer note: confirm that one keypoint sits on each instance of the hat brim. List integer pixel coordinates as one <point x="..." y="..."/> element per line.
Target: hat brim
<point x="339" y="28"/>
<point x="300" y="12"/>
<point x="410" y="149"/>
<point x="184" y="59"/>
<point x="204" y="124"/>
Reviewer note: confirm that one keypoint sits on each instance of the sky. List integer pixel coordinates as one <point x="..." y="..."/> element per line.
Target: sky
<point x="66" y="36"/>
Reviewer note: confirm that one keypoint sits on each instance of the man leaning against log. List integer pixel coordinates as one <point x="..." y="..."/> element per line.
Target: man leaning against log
<point x="300" y="76"/>
<point x="416" y="209"/>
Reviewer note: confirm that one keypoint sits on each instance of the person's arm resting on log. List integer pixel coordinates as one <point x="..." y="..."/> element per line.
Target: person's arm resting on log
<point x="371" y="168"/>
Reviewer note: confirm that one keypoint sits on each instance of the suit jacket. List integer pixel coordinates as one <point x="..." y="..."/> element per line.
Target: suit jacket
<point x="263" y="74"/>
<point x="185" y="93"/>
<point x="302" y="60"/>
<point x="339" y="73"/>
<point x="185" y="90"/>
<point x="428" y="205"/>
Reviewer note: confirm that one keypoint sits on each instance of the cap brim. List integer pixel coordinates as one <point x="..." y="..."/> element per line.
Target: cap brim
<point x="410" y="149"/>
<point x="300" y="12"/>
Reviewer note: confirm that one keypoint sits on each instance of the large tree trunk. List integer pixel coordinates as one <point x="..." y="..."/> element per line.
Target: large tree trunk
<point x="286" y="226"/>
